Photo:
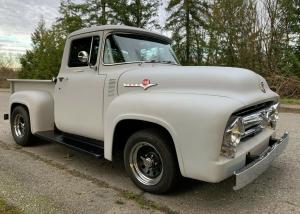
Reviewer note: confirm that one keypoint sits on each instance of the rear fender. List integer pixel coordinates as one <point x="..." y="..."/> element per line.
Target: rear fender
<point x="40" y="106"/>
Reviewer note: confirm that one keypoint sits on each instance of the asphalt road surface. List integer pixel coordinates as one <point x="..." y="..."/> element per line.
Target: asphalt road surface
<point x="50" y="178"/>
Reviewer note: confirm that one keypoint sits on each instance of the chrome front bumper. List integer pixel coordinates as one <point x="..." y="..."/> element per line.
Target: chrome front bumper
<point x="252" y="170"/>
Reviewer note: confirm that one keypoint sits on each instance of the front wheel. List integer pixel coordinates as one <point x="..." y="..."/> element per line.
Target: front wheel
<point x="150" y="161"/>
<point x="20" y="126"/>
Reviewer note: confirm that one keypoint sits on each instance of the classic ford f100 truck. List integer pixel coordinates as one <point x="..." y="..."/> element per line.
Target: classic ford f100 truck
<point x="121" y="91"/>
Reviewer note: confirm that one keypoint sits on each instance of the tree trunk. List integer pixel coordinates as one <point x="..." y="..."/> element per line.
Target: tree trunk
<point x="188" y="30"/>
<point x="103" y="14"/>
<point x="138" y="13"/>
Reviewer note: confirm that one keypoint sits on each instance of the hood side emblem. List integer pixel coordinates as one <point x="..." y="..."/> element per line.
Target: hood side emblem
<point x="262" y="87"/>
<point x="145" y="84"/>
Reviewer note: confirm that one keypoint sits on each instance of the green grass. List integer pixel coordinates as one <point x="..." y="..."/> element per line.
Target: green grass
<point x="143" y="202"/>
<point x="5" y="208"/>
<point x="290" y="101"/>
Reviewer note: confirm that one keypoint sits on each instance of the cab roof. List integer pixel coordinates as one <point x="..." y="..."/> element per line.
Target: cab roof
<point x="119" y="28"/>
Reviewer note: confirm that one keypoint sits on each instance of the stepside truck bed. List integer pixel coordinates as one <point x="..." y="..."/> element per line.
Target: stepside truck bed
<point x="29" y="85"/>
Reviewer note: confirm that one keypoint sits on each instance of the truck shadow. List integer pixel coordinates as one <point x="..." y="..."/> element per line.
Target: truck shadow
<point x="114" y="172"/>
<point x="189" y="195"/>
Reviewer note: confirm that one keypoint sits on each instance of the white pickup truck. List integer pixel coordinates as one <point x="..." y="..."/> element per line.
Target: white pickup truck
<point x="121" y="90"/>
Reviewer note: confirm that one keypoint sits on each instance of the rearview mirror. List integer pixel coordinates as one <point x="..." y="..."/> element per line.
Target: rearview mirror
<point x="83" y="56"/>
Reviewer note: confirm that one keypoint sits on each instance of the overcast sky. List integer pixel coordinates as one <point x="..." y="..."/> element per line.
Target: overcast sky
<point x="18" y="19"/>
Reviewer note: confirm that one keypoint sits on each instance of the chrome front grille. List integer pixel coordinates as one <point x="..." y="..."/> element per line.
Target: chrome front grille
<point x="255" y="121"/>
<point x="253" y="124"/>
<point x="246" y="123"/>
<point x="254" y="108"/>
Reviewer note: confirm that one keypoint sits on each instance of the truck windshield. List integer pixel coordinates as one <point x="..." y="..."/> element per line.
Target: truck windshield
<point x="123" y="48"/>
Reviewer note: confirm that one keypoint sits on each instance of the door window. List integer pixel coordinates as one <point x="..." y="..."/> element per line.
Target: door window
<point x="88" y="44"/>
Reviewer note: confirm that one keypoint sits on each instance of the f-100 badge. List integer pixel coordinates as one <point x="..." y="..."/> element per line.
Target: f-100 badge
<point x="145" y="84"/>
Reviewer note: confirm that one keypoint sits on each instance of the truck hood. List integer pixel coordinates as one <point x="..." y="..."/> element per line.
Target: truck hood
<point x="236" y="83"/>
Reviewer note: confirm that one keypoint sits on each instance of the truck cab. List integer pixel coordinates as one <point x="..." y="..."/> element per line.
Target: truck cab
<point x="91" y="65"/>
<point x="121" y="91"/>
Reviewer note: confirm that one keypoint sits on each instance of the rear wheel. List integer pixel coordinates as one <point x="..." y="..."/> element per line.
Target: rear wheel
<point x="150" y="161"/>
<point x="20" y="126"/>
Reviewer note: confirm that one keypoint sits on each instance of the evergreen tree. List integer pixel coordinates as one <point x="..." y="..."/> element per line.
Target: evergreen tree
<point x="97" y="12"/>
<point x="280" y="36"/>
<point x="186" y="20"/>
<point x="43" y="61"/>
<point x="290" y="26"/>
<point x="233" y="33"/>
<point x="70" y="17"/>
<point x="212" y="32"/>
<point x="137" y="13"/>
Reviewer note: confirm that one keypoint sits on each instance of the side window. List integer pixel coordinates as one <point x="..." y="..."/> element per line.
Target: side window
<point x="88" y="44"/>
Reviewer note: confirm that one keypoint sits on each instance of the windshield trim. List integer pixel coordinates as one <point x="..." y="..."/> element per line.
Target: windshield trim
<point x="133" y="62"/>
<point x="141" y="62"/>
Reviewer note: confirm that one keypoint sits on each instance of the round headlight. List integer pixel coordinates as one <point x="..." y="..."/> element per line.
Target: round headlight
<point x="273" y="115"/>
<point x="235" y="131"/>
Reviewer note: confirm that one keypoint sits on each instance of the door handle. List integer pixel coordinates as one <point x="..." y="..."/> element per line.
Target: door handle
<point x="60" y="79"/>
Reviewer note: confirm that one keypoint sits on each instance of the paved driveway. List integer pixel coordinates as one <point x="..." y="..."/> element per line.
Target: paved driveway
<point x="50" y="178"/>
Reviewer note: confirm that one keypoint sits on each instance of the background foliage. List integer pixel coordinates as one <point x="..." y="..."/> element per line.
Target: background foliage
<point x="261" y="35"/>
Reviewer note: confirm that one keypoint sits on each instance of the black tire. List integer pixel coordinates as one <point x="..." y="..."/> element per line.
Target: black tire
<point x="21" y="133"/>
<point x="146" y="143"/>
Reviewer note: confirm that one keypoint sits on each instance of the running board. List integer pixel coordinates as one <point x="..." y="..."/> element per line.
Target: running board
<point x="92" y="147"/>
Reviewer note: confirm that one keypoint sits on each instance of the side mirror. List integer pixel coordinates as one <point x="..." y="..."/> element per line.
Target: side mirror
<point x="83" y="56"/>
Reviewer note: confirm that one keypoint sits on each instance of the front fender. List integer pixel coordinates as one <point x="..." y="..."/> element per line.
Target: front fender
<point x="40" y="106"/>
<point x="195" y="122"/>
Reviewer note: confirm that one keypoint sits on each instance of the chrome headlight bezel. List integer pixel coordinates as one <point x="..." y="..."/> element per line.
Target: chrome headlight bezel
<point x="240" y="127"/>
<point x="232" y="136"/>
<point x="273" y="115"/>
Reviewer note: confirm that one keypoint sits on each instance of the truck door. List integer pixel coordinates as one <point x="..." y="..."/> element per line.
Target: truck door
<point x="79" y="89"/>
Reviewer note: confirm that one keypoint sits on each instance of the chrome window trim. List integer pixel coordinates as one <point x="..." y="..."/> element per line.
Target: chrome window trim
<point x="90" y="34"/>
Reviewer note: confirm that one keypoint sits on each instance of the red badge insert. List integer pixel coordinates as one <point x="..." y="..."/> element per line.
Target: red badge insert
<point x="146" y="82"/>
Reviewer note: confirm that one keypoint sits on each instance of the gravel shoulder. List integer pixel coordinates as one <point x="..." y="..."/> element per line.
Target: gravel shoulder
<point x="50" y="178"/>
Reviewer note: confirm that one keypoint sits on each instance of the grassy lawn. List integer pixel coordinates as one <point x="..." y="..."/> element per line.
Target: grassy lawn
<point x="290" y="101"/>
<point x="7" y="209"/>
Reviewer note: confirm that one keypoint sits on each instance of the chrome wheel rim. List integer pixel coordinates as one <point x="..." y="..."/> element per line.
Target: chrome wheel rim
<point x="19" y="126"/>
<point x="146" y="163"/>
